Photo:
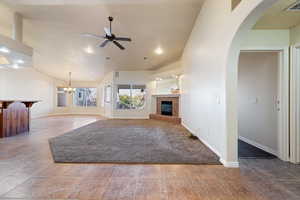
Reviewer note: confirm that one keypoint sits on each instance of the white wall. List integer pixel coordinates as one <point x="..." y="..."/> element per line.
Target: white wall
<point x="28" y="84"/>
<point x="6" y="20"/>
<point x="295" y="35"/>
<point x="266" y="38"/>
<point x="169" y="70"/>
<point x="167" y="74"/>
<point x="203" y="82"/>
<point x="15" y="84"/>
<point x="23" y="83"/>
<point x="209" y="99"/>
<point x="257" y="95"/>
<point x="166" y="85"/>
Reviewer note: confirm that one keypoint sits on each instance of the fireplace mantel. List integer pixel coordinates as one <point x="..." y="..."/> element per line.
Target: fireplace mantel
<point x="166" y="95"/>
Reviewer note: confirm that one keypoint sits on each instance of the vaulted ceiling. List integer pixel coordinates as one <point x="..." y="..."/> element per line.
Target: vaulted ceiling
<point x="53" y="29"/>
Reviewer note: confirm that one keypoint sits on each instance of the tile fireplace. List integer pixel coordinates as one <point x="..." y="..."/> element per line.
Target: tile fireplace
<point x="167" y="108"/>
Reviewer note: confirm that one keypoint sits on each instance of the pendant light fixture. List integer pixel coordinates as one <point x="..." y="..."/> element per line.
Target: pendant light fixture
<point x="69" y="89"/>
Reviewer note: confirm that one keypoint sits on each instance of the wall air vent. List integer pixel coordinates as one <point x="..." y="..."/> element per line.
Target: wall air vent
<point x="294" y="7"/>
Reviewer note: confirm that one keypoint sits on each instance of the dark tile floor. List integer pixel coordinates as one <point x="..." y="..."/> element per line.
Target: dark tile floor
<point x="248" y="151"/>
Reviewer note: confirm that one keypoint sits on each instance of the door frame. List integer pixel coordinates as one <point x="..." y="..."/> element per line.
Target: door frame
<point x="295" y="104"/>
<point x="283" y="98"/>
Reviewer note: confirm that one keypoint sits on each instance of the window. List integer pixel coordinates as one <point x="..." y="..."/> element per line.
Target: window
<point x="61" y="98"/>
<point x="138" y="96"/>
<point x="124" y="97"/>
<point x="85" y="97"/>
<point x="131" y="97"/>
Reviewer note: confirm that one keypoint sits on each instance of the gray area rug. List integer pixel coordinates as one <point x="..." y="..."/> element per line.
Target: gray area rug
<point x="130" y="141"/>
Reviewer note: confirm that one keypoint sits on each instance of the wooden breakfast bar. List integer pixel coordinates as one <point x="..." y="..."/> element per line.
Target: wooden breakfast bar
<point x="14" y="117"/>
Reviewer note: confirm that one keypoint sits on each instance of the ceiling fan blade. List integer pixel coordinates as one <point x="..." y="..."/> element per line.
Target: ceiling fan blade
<point x="119" y="45"/>
<point x="123" y="39"/>
<point x="107" y="31"/>
<point x="104" y="43"/>
<point x="92" y="35"/>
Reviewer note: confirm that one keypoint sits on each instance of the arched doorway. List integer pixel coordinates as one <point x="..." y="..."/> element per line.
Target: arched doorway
<point x="254" y="11"/>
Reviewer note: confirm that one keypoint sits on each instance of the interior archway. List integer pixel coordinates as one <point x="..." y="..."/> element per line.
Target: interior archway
<point x="251" y="11"/>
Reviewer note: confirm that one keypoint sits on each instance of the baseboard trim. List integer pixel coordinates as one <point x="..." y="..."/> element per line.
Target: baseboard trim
<point x="130" y="118"/>
<point x="260" y="146"/>
<point x="230" y="164"/>
<point x="64" y="114"/>
<point x="224" y="162"/>
<point x="40" y="116"/>
<point x="201" y="139"/>
<point x="83" y="114"/>
<point x="188" y="128"/>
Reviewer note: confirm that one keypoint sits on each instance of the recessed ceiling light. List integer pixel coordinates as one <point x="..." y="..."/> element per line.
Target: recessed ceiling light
<point x="20" y="61"/>
<point x="175" y="76"/>
<point x="89" y="50"/>
<point x="4" y="50"/>
<point x="159" y="51"/>
<point x="158" y="79"/>
<point x="15" y="66"/>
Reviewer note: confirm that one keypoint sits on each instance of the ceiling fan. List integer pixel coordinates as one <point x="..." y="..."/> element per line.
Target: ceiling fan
<point x="109" y="36"/>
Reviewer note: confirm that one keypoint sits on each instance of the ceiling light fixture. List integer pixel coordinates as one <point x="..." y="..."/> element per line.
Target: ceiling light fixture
<point x="159" y="51"/>
<point x="20" y="61"/>
<point x="69" y="89"/>
<point x="175" y="76"/>
<point x="89" y="50"/>
<point x="15" y="66"/>
<point x="4" y="50"/>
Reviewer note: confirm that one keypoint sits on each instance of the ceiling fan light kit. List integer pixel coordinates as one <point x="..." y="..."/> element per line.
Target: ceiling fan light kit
<point x="109" y="36"/>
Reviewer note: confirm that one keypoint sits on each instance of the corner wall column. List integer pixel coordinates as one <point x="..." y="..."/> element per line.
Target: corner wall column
<point x="18" y="27"/>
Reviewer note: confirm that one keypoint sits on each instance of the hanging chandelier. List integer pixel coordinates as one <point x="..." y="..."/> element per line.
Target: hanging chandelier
<point x="69" y="89"/>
